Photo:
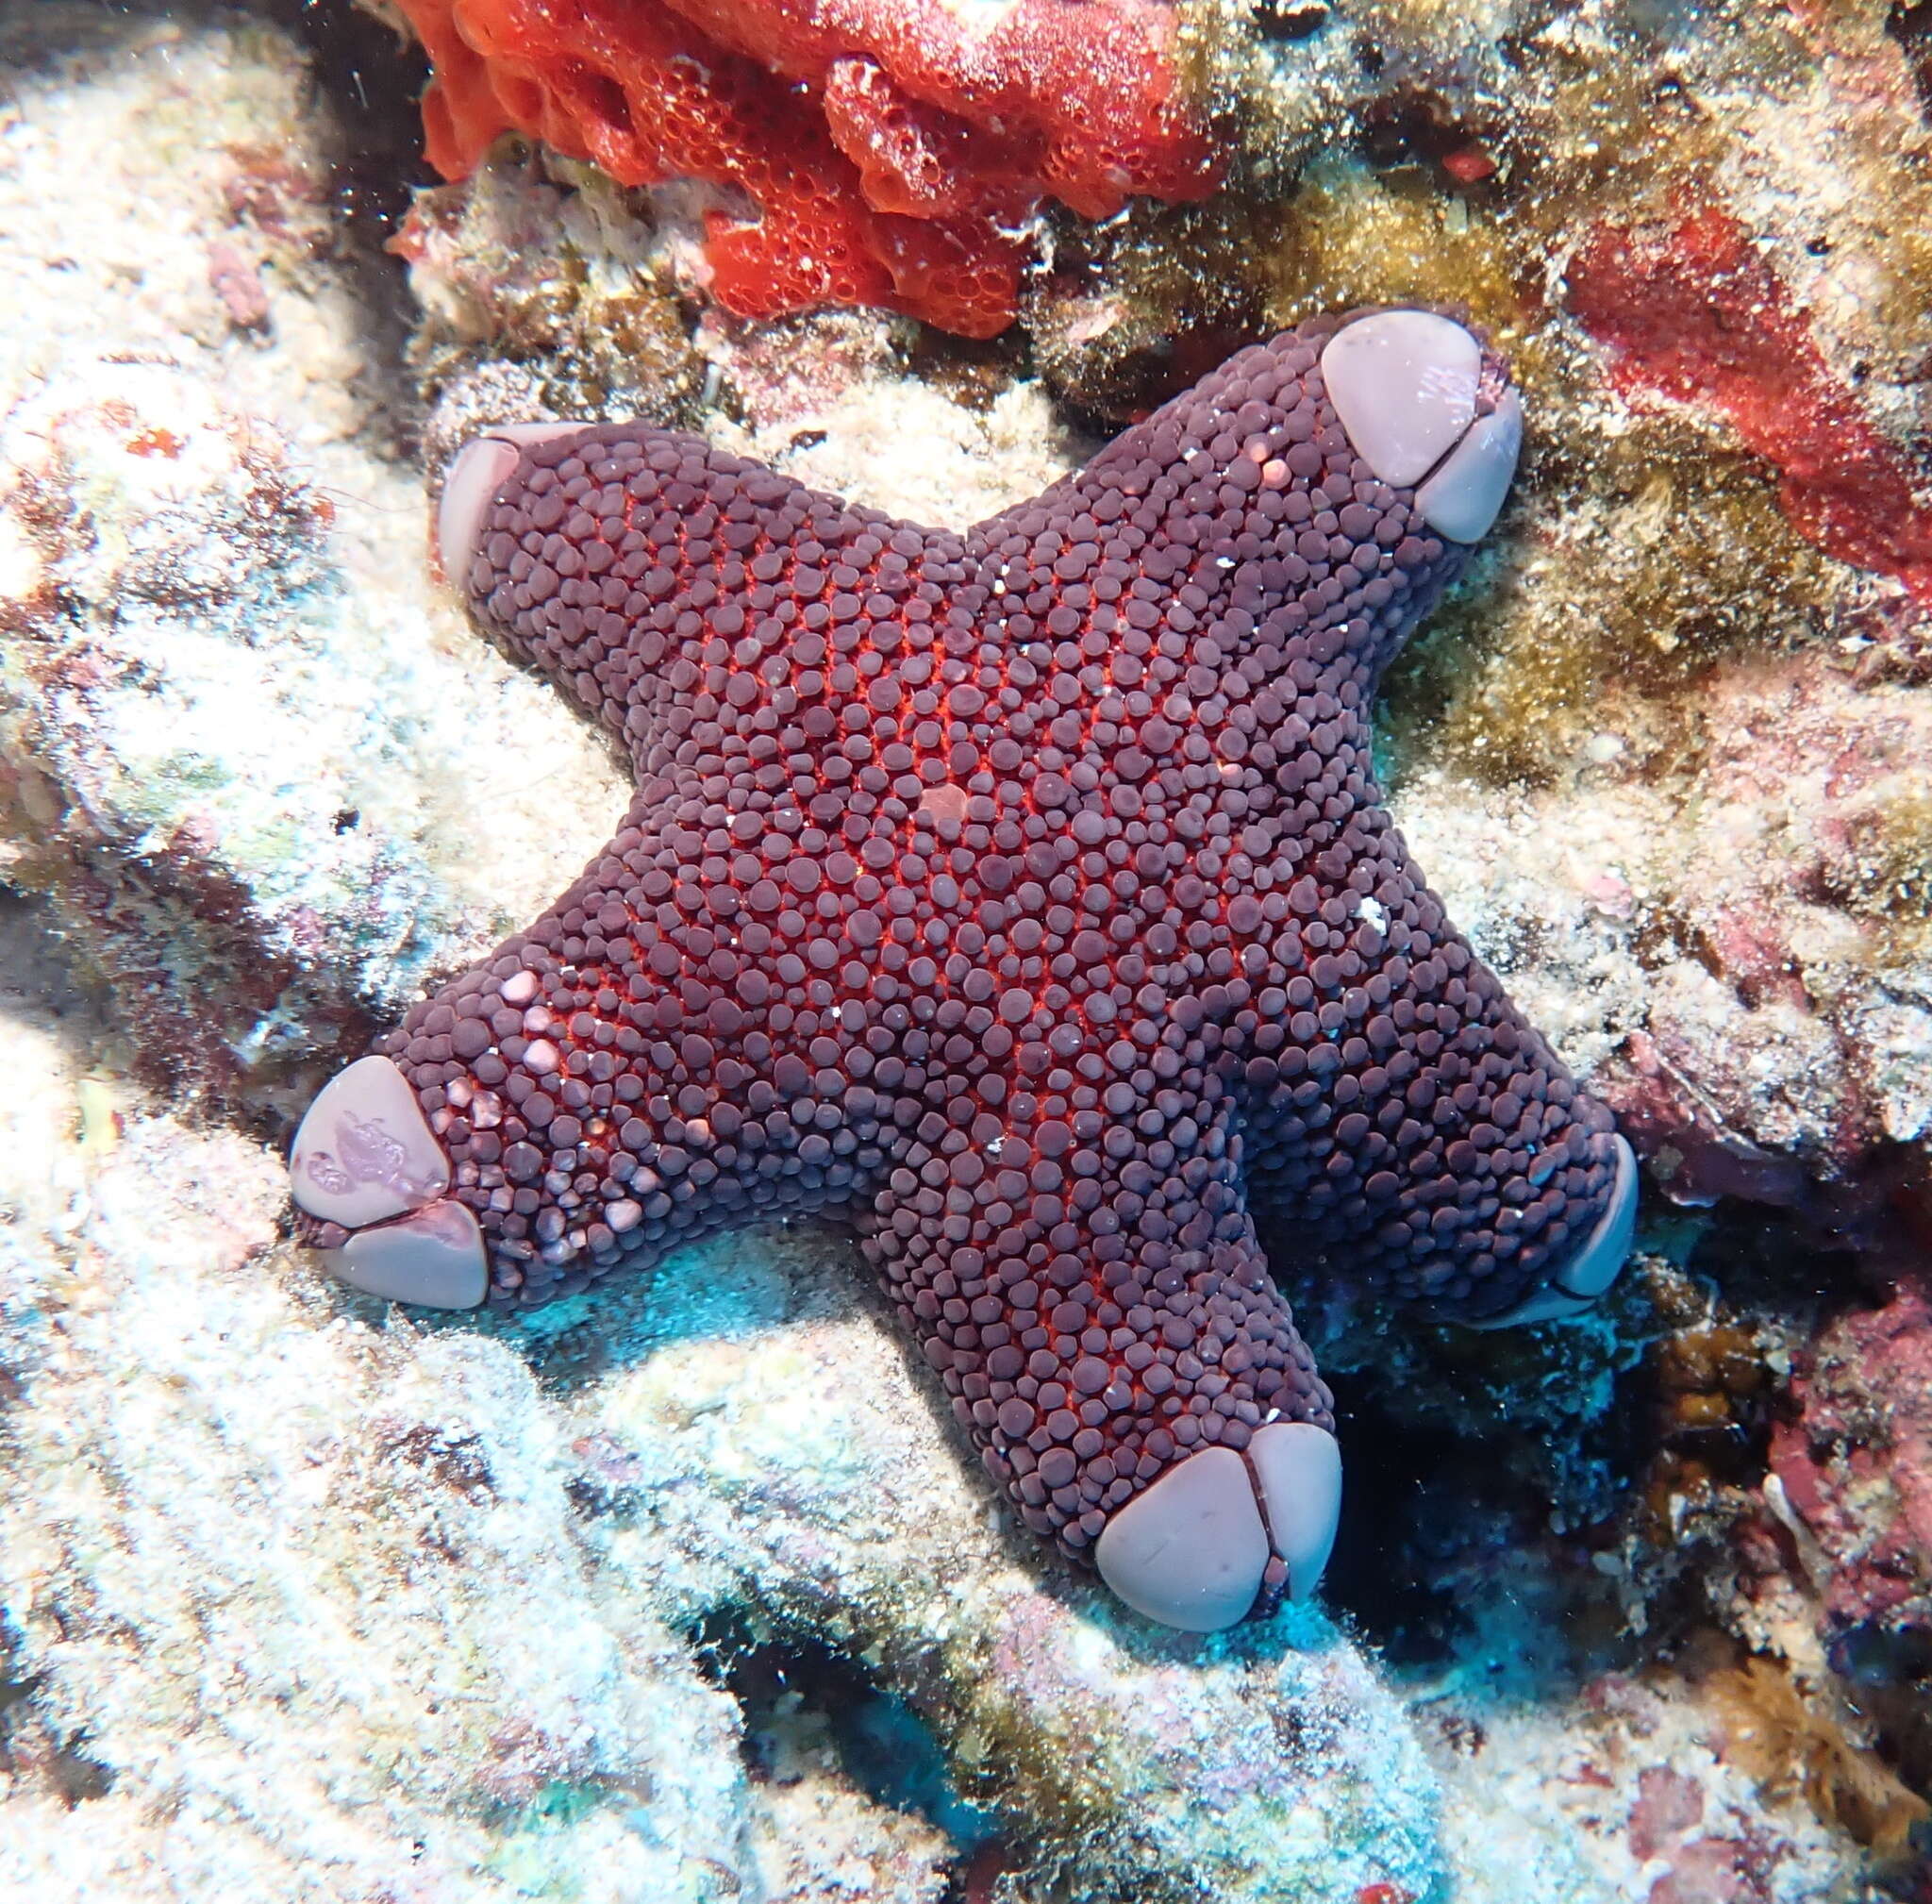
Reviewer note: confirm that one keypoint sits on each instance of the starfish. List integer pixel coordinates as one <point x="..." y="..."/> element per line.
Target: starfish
<point x="1025" y="897"/>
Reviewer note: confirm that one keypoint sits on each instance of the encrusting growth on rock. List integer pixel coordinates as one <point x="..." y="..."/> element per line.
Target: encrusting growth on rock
<point x="889" y="152"/>
<point x="1024" y="896"/>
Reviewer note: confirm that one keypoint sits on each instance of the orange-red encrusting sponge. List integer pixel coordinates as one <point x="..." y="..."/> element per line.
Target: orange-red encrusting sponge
<point x="892" y="148"/>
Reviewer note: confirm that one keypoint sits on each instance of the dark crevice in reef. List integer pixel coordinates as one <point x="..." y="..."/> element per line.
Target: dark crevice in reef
<point x="45" y="982"/>
<point x="1793" y="1274"/>
<point x="1448" y="1518"/>
<point x="807" y="1708"/>
<point x="1842" y="1250"/>
<point x="1759" y="1259"/>
<point x="1412" y="124"/>
<point x="1288" y="21"/>
<point x="1393" y="1472"/>
<point x="1910" y="22"/>
<point x="32" y="1753"/>
<point x="1444" y="1525"/>
<point x="1701" y="1534"/>
<point x="370" y="81"/>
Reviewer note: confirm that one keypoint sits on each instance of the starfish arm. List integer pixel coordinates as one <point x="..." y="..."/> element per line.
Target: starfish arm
<point x="1456" y="1165"/>
<point x="1407" y="1130"/>
<point x="666" y="586"/>
<point x="1086" y="1280"/>
<point x="612" y="1083"/>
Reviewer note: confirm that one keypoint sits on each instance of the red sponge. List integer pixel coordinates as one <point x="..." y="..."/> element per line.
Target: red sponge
<point x="890" y="146"/>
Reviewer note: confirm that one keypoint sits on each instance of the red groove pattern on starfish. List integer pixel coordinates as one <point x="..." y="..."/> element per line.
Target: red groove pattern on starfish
<point x="888" y="148"/>
<point x="1024" y="896"/>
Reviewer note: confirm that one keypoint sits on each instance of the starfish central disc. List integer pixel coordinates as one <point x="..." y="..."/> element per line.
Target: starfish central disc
<point x="1024" y="896"/>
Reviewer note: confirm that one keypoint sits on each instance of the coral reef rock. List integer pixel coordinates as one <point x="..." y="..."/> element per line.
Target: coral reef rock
<point x="302" y="1598"/>
<point x="270" y="1567"/>
<point x="221" y="638"/>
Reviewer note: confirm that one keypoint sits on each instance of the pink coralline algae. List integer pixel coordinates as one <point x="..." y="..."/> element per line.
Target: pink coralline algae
<point x="1691" y="309"/>
<point x="1774" y="1067"/>
<point x="1026" y="897"/>
<point x="1854" y="1462"/>
<point x="889" y="149"/>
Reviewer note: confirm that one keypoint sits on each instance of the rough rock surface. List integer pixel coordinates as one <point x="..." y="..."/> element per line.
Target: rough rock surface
<point x="1855" y="1469"/>
<point x="220" y="635"/>
<point x="341" y="1527"/>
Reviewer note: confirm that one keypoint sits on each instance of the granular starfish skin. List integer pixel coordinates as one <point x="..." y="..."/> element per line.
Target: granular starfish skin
<point x="1024" y="897"/>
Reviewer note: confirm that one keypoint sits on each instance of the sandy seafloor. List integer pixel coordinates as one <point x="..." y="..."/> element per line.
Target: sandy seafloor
<point x="688" y="1594"/>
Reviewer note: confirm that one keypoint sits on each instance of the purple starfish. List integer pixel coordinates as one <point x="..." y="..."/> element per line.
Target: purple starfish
<point x="1026" y="897"/>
